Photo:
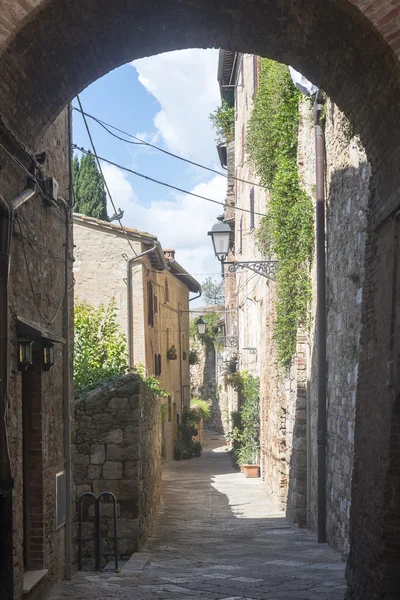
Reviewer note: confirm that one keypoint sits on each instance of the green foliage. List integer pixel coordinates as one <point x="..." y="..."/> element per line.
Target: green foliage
<point x="212" y="291"/>
<point x="100" y="350"/>
<point x="90" y="196"/>
<point x="152" y="383"/>
<point x="236" y="380"/>
<point x="223" y="121"/>
<point x="210" y="338"/>
<point x="246" y="431"/>
<point x="194" y="358"/>
<point x="202" y="407"/>
<point x="287" y="230"/>
<point x="185" y="446"/>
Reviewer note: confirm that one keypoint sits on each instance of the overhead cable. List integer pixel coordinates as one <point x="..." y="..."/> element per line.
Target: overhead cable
<point x="141" y="142"/>
<point x="168" y="185"/>
<point x="104" y="179"/>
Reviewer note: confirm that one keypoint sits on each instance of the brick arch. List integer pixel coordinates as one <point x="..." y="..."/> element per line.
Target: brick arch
<point x="61" y="46"/>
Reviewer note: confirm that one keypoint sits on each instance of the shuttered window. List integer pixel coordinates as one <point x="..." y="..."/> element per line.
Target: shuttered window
<point x="157" y="365"/>
<point x="150" y="306"/>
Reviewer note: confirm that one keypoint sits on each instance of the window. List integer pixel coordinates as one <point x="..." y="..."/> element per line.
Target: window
<point x="150" y="304"/>
<point x="155" y="301"/>
<point x="166" y="291"/>
<point x="169" y="409"/>
<point x="252" y="208"/>
<point x="157" y="365"/>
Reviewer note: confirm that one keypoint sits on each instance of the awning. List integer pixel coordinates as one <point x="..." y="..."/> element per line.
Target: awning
<point x="32" y="330"/>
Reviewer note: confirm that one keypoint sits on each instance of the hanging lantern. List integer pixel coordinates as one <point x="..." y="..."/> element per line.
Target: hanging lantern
<point x="25" y="353"/>
<point x="48" y="356"/>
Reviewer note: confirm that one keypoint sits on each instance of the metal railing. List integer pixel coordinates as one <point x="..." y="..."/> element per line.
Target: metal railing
<point x="97" y="519"/>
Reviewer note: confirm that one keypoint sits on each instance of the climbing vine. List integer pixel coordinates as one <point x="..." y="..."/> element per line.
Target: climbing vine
<point x="286" y="231"/>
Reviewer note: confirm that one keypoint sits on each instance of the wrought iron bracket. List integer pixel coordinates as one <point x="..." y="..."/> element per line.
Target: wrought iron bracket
<point x="266" y="268"/>
<point x="229" y="341"/>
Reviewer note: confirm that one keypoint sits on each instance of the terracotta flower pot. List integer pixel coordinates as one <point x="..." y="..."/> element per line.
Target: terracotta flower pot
<point x="251" y="470"/>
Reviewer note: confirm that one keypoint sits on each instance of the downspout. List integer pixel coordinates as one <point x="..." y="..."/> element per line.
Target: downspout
<point x="67" y="374"/>
<point x="321" y="315"/>
<point x="6" y="480"/>
<point x="180" y="357"/>
<point x="129" y="299"/>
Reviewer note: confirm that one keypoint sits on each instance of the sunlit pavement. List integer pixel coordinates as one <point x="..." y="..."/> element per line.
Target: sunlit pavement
<point x="218" y="537"/>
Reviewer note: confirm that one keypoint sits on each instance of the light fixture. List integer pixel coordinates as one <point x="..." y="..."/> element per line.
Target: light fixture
<point x="220" y="234"/>
<point x="48" y="356"/>
<point x="201" y="326"/>
<point x="25" y="353"/>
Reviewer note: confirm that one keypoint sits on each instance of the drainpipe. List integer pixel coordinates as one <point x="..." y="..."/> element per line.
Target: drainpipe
<point x="180" y="357"/>
<point x="6" y="480"/>
<point x="129" y="298"/>
<point x="67" y="373"/>
<point x="321" y="315"/>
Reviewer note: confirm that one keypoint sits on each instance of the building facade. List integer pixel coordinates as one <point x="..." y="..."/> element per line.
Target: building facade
<point x="288" y="398"/>
<point x="151" y="291"/>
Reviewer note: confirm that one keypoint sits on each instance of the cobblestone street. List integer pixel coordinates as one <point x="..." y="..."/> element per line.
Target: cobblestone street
<point x="218" y="538"/>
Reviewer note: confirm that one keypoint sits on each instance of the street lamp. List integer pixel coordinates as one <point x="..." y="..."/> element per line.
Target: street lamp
<point x="201" y="326"/>
<point x="220" y="234"/>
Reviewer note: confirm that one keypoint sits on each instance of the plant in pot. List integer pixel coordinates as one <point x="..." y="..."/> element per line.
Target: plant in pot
<point x="248" y="460"/>
<point x="247" y="436"/>
<point x="172" y="353"/>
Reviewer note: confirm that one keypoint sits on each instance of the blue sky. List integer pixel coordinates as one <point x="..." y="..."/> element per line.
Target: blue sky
<point x="166" y="100"/>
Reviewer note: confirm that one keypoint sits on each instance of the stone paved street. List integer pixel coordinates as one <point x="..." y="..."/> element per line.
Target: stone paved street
<point x="218" y="538"/>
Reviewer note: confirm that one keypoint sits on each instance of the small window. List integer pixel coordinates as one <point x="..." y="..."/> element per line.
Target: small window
<point x="166" y="291"/>
<point x="252" y="208"/>
<point x="169" y="409"/>
<point x="157" y="365"/>
<point x="155" y="301"/>
<point x="150" y="304"/>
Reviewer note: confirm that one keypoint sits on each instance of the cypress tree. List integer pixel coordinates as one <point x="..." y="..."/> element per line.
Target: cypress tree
<point x="90" y="196"/>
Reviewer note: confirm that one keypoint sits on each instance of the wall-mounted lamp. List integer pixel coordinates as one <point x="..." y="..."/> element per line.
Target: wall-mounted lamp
<point x="25" y="353"/>
<point x="201" y="326"/>
<point x="221" y="235"/>
<point x="48" y="356"/>
<point x="251" y="350"/>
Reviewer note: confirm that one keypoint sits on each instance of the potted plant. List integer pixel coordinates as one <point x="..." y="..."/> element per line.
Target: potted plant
<point x="248" y="460"/>
<point x="172" y="353"/>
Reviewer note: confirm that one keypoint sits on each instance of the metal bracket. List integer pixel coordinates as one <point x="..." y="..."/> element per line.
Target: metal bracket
<point x="229" y="341"/>
<point x="266" y="268"/>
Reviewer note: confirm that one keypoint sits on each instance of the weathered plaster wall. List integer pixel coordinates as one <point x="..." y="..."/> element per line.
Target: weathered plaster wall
<point x="118" y="449"/>
<point x="347" y="176"/>
<point x="39" y="235"/>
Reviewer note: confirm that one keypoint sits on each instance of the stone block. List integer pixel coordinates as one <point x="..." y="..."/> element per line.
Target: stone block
<point x="81" y="459"/>
<point x="97" y="454"/>
<point x="131" y="469"/>
<point x="120" y="452"/>
<point x="118" y="404"/>
<point x="122" y="489"/>
<point x="81" y="489"/>
<point x="116" y="436"/>
<point x="94" y="472"/>
<point x="131" y="434"/>
<point x="112" y="470"/>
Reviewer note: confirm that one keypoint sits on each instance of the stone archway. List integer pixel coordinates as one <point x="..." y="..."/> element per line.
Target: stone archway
<point x="57" y="48"/>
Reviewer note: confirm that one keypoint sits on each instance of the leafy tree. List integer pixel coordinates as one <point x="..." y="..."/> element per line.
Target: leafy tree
<point x="210" y="338"/>
<point x="223" y="121"/>
<point x="90" y="196"/>
<point x="100" y="348"/>
<point x="213" y="292"/>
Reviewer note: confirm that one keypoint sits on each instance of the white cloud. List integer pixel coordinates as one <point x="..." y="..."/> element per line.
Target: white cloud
<point x="180" y="222"/>
<point x="185" y="85"/>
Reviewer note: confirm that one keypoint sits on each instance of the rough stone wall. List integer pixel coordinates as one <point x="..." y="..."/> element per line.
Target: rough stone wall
<point x="39" y="234"/>
<point x="347" y="176"/>
<point x="118" y="449"/>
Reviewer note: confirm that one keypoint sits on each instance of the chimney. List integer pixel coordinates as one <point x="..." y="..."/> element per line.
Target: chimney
<point x="169" y="254"/>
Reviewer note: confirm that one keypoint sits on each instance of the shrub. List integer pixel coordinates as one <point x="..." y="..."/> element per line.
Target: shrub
<point x="202" y="407"/>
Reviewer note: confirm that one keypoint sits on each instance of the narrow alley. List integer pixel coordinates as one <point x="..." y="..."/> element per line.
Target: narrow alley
<point x="218" y="538"/>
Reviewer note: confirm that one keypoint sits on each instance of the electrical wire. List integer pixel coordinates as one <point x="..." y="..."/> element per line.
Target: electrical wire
<point x="141" y="142"/>
<point x="163" y="183"/>
<point x="104" y="179"/>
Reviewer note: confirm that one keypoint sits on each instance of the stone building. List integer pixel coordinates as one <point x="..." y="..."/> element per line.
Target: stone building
<point x="35" y="361"/>
<point x="151" y="291"/>
<point x="288" y="399"/>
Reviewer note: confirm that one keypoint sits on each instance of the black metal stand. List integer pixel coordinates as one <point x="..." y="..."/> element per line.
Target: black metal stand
<point x="97" y="528"/>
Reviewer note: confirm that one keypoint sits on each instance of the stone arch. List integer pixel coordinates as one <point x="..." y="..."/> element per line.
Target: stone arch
<point x="53" y="51"/>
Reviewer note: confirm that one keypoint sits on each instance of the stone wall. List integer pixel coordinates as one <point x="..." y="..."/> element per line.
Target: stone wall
<point x="37" y="249"/>
<point x="118" y="449"/>
<point x="347" y="177"/>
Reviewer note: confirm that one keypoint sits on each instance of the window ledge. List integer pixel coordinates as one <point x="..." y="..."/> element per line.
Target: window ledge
<point x="32" y="578"/>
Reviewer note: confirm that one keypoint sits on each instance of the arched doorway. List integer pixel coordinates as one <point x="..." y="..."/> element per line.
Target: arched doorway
<point x="61" y="47"/>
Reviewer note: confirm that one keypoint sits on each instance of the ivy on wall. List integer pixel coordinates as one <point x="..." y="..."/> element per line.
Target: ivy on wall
<point x="287" y="230"/>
